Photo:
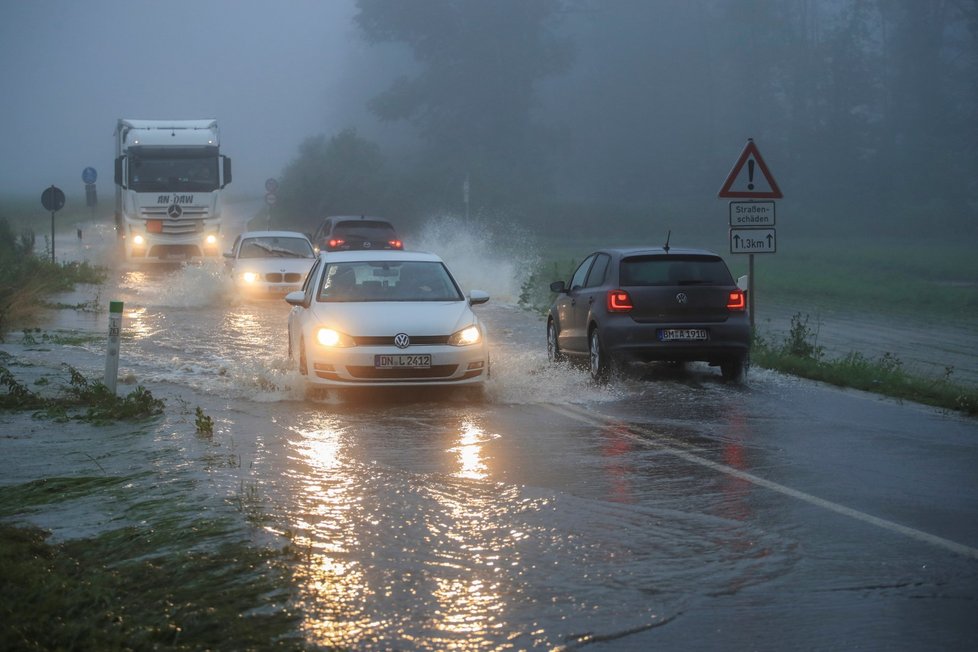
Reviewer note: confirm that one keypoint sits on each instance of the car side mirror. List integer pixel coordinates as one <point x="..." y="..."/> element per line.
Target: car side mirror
<point x="228" y="254"/>
<point x="297" y="298"/>
<point x="558" y="286"/>
<point x="477" y="297"/>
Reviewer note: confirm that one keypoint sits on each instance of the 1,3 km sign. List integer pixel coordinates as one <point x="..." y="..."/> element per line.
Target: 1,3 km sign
<point x="748" y="227"/>
<point x="753" y="241"/>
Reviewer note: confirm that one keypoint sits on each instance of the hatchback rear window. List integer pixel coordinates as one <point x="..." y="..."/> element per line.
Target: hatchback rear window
<point x="675" y="269"/>
<point x="365" y="229"/>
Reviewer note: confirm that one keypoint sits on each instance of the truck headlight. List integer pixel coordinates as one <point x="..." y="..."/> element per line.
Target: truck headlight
<point x="211" y="240"/>
<point x="138" y="240"/>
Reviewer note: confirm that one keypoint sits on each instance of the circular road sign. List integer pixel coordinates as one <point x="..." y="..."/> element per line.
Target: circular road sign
<point x="270" y="198"/>
<point x="89" y="175"/>
<point x="53" y="199"/>
<point x="271" y="185"/>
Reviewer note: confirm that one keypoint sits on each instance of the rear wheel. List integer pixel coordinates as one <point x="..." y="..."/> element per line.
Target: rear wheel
<point x="733" y="369"/>
<point x="554" y="354"/>
<point x="601" y="362"/>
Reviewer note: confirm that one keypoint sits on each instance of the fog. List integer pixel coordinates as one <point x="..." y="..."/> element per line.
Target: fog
<point x="270" y="72"/>
<point x="865" y="110"/>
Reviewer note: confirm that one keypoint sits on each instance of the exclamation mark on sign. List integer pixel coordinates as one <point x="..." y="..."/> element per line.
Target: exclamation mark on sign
<point x="750" y="174"/>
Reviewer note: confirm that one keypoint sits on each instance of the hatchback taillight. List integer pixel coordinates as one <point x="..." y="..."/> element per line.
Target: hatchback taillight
<point x="395" y="244"/>
<point x="336" y="242"/>
<point x="737" y="301"/>
<point x="619" y="301"/>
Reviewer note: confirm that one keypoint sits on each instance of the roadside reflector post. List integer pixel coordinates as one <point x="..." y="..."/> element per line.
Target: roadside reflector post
<point x="112" y="349"/>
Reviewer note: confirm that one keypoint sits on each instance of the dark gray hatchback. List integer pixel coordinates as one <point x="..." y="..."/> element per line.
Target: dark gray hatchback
<point x="650" y="304"/>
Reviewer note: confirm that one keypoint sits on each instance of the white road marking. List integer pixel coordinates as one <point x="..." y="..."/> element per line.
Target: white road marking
<point x="678" y="449"/>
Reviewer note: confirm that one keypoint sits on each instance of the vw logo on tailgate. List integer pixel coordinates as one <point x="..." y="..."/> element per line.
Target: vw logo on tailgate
<point x="682" y="298"/>
<point x="402" y="341"/>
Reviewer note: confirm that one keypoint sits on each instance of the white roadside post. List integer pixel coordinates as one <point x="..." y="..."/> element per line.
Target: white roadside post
<point x="112" y="350"/>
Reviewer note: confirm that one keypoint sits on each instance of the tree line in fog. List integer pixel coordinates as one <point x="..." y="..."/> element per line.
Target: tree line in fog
<point x="862" y="108"/>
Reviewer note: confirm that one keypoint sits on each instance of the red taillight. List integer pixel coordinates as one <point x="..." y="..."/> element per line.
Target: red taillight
<point x="737" y="301"/>
<point x="395" y="244"/>
<point x="619" y="301"/>
<point x="336" y="242"/>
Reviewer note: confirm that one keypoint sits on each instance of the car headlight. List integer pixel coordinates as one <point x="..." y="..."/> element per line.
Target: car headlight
<point x="466" y="337"/>
<point x="249" y="277"/>
<point x="333" y="338"/>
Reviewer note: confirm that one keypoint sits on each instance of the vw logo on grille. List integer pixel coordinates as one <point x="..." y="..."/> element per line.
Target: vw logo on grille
<point x="402" y="341"/>
<point x="682" y="298"/>
<point x="174" y="211"/>
<point x="367" y="245"/>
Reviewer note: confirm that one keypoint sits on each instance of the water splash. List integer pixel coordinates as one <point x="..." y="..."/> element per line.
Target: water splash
<point x="195" y="285"/>
<point x="495" y="257"/>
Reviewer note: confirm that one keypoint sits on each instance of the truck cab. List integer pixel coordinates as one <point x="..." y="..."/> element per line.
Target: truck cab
<point x="170" y="177"/>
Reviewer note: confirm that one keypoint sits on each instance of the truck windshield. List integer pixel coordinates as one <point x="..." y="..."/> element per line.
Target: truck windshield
<point x="173" y="174"/>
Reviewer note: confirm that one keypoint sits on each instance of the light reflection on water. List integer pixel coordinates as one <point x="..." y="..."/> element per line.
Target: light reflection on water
<point x="332" y="582"/>
<point x="472" y="466"/>
<point x="394" y="560"/>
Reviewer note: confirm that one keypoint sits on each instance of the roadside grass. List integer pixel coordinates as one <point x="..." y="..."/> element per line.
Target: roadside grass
<point x="798" y="355"/>
<point x="146" y="588"/>
<point x="25" y="278"/>
<point x="924" y="280"/>
<point x="81" y="400"/>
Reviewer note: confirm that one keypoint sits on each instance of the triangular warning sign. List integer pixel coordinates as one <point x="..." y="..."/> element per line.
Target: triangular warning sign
<point x="750" y="178"/>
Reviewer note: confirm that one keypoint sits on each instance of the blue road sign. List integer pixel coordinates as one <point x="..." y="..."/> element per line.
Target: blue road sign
<point x="89" y="175"/>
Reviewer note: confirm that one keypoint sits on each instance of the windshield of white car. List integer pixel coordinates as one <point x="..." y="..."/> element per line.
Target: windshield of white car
<point x="275" y="247"/>
<point x="368" y="281"/>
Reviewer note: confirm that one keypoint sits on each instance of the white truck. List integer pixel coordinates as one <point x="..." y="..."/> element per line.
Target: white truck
<point x="169" y="178"/>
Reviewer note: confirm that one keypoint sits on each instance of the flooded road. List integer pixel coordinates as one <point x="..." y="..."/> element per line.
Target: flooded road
<point x="668" y="510"/>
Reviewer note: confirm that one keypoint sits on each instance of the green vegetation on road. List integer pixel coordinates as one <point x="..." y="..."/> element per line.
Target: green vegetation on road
<point x="798" y="355"/>
<point x="25" y="279"/>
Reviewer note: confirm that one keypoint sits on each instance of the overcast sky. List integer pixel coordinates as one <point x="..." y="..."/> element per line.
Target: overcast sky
<point x="268" y="71"/>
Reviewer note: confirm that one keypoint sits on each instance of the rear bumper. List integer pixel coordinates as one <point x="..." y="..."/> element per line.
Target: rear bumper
<point x="629" y="339"/>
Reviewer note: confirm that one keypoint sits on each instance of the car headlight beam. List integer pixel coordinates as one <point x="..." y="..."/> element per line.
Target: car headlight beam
<point x="333" y="338"/>
<point x="466" y="337"/>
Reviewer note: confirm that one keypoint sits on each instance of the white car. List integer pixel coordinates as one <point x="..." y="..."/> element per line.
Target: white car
<point x="270" y="264"/>
<point x="386" y="318"/>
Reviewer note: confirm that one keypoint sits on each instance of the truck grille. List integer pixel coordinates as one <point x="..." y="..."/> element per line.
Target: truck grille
<point x="191" y="221"/>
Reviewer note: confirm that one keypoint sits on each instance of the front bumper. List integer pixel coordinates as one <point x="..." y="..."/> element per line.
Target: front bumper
<point x="356" y="367"/>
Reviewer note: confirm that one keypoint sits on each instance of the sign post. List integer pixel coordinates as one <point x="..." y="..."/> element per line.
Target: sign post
<point x="53" y="199"/>
<point x="751" y="222"/>
<point x="271" y="196"/>
<point x="112" y="348"/>
<point x="89" y="175"/>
